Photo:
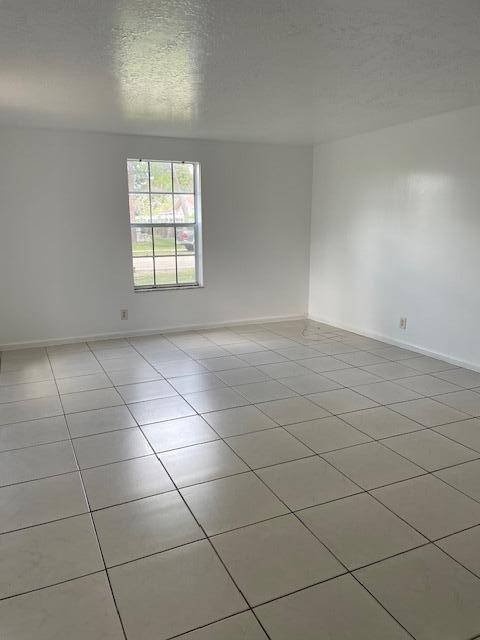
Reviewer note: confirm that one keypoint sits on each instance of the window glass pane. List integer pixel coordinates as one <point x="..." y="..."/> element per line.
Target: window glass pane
<point x="143" y="272"/>
<point x="137" y="175"/>
<point x="184" y="208"/>
<point x="160" y="176"/>
<point x="162" y="208"/>
<point x="185" y="240"/>
<point x="142" y="241"/>
<point x="183" y="178"/>
<point x="164" y="194"/>
<point x="186" y="269"/>
<point x="164" y="241"/>
<point x="165" y="271"/>
<point x="139" y="208"/>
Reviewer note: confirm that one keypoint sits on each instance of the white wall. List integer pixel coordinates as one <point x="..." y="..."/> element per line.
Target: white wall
<point x="65" y="259"/>
<point x="396" y="232"/>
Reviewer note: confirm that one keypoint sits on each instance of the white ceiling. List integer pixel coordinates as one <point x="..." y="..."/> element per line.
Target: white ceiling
<point x="278" y="70"/>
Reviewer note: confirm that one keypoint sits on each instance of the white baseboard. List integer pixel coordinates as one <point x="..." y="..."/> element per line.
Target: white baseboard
<point x="29" y="344"/>
<point x="474" y="366"/>
<point x="219" y="325"/>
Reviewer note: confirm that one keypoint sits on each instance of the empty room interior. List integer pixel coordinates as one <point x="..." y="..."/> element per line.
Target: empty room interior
<point x="239" y="319"/>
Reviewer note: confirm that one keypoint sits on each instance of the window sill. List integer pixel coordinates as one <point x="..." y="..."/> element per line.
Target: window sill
<point x="172" y="288"/>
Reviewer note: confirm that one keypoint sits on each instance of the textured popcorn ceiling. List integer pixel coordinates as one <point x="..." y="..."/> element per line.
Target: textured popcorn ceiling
<point x="279" y="70"/>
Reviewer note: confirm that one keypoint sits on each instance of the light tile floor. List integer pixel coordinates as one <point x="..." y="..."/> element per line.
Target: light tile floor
<point x="277" y="480"/>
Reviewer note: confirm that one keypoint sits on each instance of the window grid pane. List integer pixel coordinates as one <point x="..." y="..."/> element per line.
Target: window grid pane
<point x="143" y="272"/>
<point x="165" y="271"/>
<point x="183" y="177"/>
<point x="173" y="211"/>
<point x="186" y="269"/>
<point x="142" y="241"/>
<point x="160" y="177"/>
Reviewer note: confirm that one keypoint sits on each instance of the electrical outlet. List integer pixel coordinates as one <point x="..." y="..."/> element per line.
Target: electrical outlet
<point x="124" y="314"/>
<point x="403" y="324"/>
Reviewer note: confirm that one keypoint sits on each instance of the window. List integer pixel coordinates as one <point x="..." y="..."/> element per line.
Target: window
<point x="164" y="201"/>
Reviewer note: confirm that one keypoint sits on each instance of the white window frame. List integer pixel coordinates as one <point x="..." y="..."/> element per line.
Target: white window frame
<point x="196" y="225"/>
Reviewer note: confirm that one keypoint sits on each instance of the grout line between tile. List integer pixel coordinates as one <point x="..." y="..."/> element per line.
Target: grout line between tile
<point x="95" y="529"/>
<point x="251" y="470"/>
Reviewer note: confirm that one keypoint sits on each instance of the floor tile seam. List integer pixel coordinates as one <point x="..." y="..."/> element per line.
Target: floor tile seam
<point x="31" y="446"/>
<point x="451" y="438"/>
<point x="51" y="585"/>
<point x="370" y="492"/>
<point x="202" y="529"/>
<point x="397" y="516"/>
<point x="278" y="426"/>
<point x="470" y="415"/>
<point x="93" y="522"/>
<point x="346" y="572"/>
<point x="47" y="395"/>
<point x="448" y="466"/>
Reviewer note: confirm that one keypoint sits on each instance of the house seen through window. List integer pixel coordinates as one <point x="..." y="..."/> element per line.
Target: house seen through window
<point x="164" y="202"/>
